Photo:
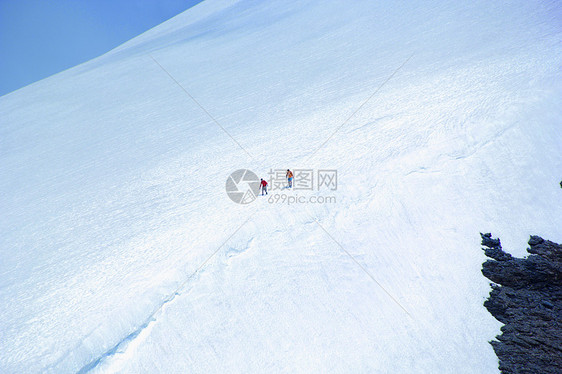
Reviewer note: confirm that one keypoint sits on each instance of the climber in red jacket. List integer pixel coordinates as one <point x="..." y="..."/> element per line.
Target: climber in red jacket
<point x="263" y="185"/>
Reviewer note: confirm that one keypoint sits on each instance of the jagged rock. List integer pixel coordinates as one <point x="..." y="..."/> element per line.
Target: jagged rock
<point x="535" y="240"/>
<point x="527" y="297"/>
<point x="493" y="248"/>
<point x="488" y="241"/>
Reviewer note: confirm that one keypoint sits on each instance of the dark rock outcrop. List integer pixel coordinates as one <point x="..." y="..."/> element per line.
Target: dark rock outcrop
<point x="527" y="297"/>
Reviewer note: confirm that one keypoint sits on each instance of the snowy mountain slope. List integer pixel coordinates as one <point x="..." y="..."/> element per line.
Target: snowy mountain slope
<point x="120" y="251"/>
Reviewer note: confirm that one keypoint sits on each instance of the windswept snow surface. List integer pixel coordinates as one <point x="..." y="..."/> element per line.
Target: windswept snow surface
<point x="121" y="252"/>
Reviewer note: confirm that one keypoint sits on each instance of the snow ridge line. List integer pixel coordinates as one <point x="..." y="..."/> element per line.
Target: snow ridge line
<point x="360" y="106"/>
<point x="202" y="107"/>
<point x="364" y="269"/>
<point x="152" y="317"/>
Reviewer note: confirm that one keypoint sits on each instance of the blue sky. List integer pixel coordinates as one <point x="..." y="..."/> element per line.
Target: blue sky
<point x="39" y="38"/>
